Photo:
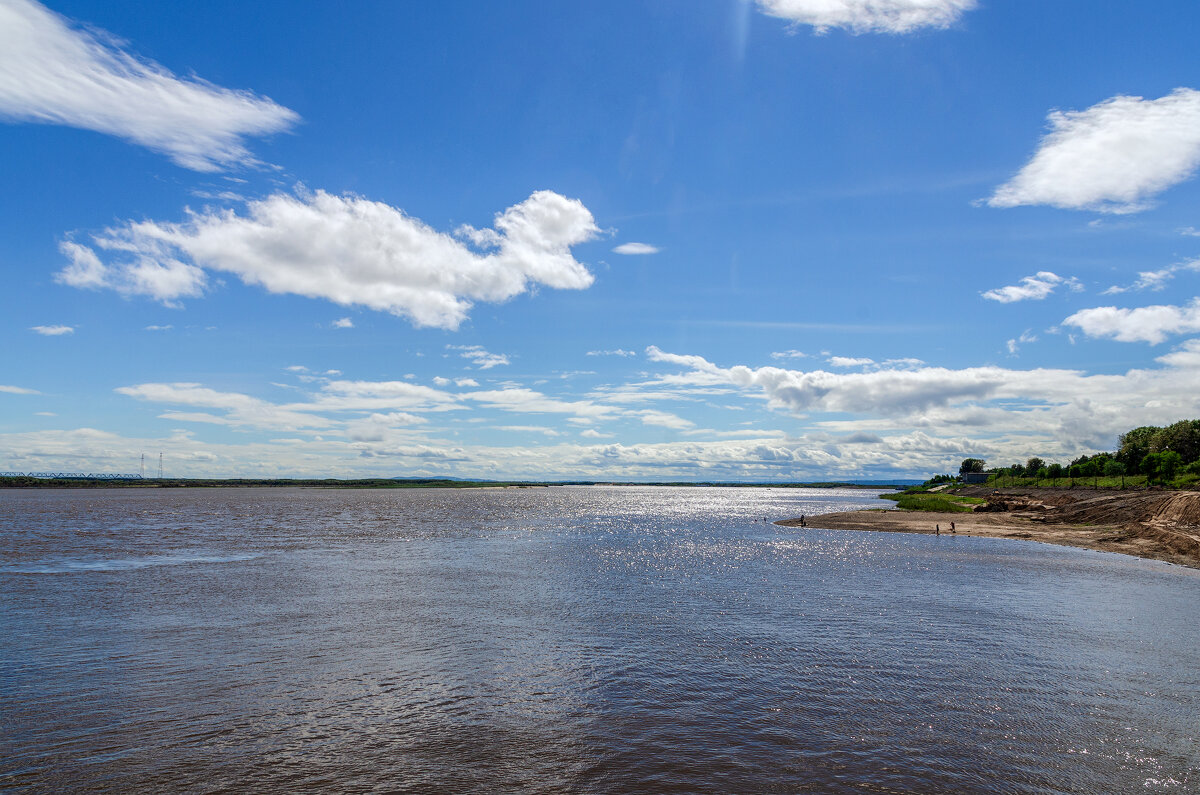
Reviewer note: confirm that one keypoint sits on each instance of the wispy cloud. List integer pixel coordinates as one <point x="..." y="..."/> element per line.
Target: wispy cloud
<point x="480" y="357"/>
<point x="1031" y="288"/>
<point x="1014" y="345"/>
<point x="1114" y="157"/>
<point x="869" y="16"/>
<point x="18" y="390"/>
<point x="636" y="248"/>
<point x="1154" y="280"/>
<point x="789" y="355"/>
<point x="167" y="327"/>
<point x="52" y="331"/>
<point x="54" y="73"/>
<point x="849" y="361"/>
<point x="347" y="250"/>
<point x="614" y="352"/>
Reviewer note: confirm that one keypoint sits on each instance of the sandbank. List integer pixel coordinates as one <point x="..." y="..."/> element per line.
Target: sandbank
<point x="1153" y="525"/>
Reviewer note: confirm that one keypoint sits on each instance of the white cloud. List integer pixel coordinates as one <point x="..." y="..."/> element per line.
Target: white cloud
<point x="1014" y="345"/>
<point x="1144" y="324"/>
<point x="592" y="433"/>
<point x="167" y="327"/>
<point x="480" y="357"/>
<point x="1031" y="288"/>
<point x="18" y="390"/>
<point x="614" y="352"/>
<point x="528" y="429"/>
<point x="471" y="382"/>
<point x="348" y="250"/>
<point x="343" y="322"/>
<point x="636" y="248"/>
<point x="1113" y="157"/>
<point x="1186" y="356"/>
<point x="789" y="355"/>
<point x="240" y="409"/>
<point x="1154" y="280"/>
<point x="903" y="362"/>
<point x="52" y="331"/>
<point x="150" y="271"/>
<point x="53" y="73"/>
<point x="848" y="361"/>
<point x="528" y="401"/>
<point x="869" y="16"/>
<point x="663" y="419"/>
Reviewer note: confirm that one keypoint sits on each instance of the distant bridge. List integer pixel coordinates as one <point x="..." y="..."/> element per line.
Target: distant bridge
<point x="69" y="476"/>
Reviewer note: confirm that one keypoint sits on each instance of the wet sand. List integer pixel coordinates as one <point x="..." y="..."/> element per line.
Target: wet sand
<point x="1156" y="540"/>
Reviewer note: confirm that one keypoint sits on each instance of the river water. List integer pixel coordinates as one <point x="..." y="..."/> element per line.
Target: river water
<point x="585" y="639"/>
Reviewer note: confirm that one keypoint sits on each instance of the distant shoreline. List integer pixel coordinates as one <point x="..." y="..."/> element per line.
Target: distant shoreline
<point x="388" y="483"/>
<point x="1154" y="525"/>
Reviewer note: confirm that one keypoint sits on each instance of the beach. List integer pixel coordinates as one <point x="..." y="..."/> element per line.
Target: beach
<point x="1157" y="525"/>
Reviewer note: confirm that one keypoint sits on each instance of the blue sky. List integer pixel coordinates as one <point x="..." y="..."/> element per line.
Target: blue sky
<point x="775" y="240"/>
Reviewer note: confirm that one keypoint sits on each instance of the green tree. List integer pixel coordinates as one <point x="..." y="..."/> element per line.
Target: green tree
<point x="1056" y="471"/>
<point x="1115" y="469"/>
<point x="1161" y="466"/>
<point x="1183" y="437"/>
<point x="1135" y="444"/>
<point x="971" y="465"/>
<point x="1032" y="466"/>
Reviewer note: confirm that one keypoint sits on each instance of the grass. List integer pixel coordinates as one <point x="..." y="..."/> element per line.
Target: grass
<point x="1183" y="481"/>
<point x="940" y="503"/>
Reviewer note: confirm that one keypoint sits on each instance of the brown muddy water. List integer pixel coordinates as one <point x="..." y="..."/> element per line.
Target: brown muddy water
<point x="574" y="640"/>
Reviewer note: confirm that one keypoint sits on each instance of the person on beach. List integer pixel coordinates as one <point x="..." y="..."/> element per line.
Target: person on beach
<point x="937" y="529"/>
<point x="802" y="524"/>
<point x="952" y="530"/>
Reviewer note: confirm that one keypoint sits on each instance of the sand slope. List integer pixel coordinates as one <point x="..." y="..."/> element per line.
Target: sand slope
<point x="1162" y="525"/>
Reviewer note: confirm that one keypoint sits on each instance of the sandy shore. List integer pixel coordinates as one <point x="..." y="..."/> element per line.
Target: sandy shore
<point x="1147" y="537"/>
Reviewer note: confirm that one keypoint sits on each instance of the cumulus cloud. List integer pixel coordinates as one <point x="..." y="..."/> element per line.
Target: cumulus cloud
<point x="149" y="270"/>
<point x="348" y="250"/>
<point x="17" y="390"/>
<point x="636" y="248"/>
<point x="1151" y="324"/>
<point x="54" y="73"/>
<point x="1186" y="356"/>
<point x="1031" y="288"/>
<point x="1154" y="280"/>
<point x="343" y="322"/>
<point x="1113" y="157"/>
<point x="52" y="331"/>
<point x="869" y="16"/>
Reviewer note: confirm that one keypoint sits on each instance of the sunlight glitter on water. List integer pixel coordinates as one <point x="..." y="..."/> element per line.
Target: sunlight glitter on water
<point x="575" y="639"/>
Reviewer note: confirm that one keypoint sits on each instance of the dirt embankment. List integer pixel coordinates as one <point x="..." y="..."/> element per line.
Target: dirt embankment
<point x="1162" y="525"/>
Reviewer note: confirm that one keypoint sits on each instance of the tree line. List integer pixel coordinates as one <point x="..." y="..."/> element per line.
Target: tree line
<point x="1161" y="454"/>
